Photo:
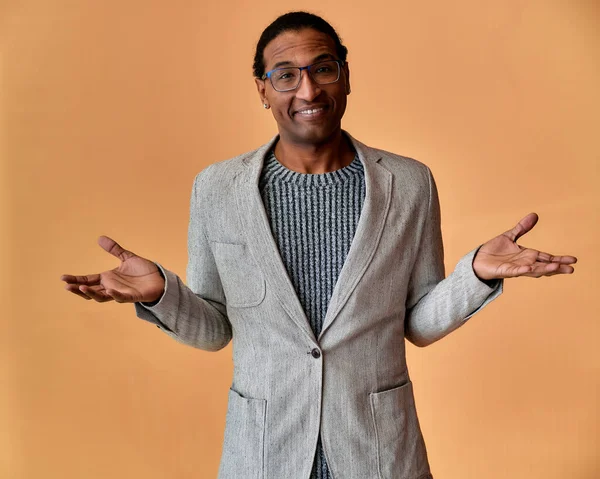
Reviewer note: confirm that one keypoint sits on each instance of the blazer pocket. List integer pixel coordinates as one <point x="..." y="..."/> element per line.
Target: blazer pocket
<point x="401" y="452"/>
<point x="241" y="278"/>
<point x="243" y="444"/>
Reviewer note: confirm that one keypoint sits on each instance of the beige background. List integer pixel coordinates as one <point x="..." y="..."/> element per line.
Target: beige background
<point x="109" y="109"/>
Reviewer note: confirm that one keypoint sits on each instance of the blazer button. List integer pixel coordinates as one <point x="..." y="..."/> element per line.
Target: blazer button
<point x="316" y="353"/>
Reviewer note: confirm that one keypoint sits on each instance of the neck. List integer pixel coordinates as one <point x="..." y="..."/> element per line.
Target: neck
<point x="333" y="154"/>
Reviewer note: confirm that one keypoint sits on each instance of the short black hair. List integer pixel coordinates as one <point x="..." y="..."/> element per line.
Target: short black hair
<point x="294" y="21"/>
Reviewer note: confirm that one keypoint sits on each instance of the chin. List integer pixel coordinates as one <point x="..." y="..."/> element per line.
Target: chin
<point x="313" y="135"/>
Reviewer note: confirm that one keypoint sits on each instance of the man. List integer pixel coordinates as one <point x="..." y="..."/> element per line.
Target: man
<point x="317" y="256"/>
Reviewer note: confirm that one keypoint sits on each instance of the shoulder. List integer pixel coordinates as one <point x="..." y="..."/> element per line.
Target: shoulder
<point x="410" y="177"/>
<point x="219" y="176"/>
<point x="406" y="169"/>
<point x="395" y="161"/>
<point x="224" y="169"/>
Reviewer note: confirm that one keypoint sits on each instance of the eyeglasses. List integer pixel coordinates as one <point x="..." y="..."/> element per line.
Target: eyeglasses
<point x="288" y="78"/>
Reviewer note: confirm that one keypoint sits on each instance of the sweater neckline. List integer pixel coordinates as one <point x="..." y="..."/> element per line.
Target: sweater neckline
<point x="274" y="171"/>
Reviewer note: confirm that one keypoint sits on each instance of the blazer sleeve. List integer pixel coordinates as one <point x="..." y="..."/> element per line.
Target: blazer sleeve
<point x="437" y="305"/>
<point x="196" y="314"/>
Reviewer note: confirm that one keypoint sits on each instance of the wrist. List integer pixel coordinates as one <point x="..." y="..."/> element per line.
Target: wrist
<point x="488" y="282"/>
<point x="157" y="300"/>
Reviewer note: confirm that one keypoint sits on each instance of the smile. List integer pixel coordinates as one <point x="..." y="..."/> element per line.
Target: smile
<point x="311" y="112"/>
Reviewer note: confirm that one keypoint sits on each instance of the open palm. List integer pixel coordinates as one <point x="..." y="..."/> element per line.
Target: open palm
<point x="502" y="257"/>
<point x="135" y="279"/>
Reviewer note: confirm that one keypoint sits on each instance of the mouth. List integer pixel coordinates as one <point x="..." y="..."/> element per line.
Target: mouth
<point x="313" y="112"/>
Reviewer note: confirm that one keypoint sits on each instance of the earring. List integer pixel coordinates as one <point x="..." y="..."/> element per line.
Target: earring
<point x="265" y="106"/>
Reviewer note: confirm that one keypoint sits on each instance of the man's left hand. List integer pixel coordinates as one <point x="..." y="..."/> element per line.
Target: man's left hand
<point x="502" y="257"/>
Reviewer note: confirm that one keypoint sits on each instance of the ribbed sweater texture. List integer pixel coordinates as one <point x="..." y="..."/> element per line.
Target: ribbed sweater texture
<point x="313" y="219"/>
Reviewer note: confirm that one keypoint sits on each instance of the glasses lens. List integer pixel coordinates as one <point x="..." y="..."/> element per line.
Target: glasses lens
<point x="285" y="78"/>
<point x="325" y="72"/>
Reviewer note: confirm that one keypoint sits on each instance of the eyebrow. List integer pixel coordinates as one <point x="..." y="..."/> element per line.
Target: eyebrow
<point x="322" y="56"/>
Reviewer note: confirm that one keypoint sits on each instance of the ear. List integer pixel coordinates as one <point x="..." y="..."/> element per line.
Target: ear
<point x="260" y="86"/>
<point x="347" y="73"/>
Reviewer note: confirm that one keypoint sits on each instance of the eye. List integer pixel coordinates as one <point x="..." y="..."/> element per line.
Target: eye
<point x="285" y="75"/>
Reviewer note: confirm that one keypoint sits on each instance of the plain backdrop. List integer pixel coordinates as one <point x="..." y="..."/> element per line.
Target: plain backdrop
<point x="108" y="111"/>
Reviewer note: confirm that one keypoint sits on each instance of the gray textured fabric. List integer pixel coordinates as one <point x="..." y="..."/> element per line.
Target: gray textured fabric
<point x="351" y="381"/>
<point x="313" y="219"/>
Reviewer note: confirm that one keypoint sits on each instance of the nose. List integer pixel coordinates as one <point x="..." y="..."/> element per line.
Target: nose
<point x="308" y="90"/>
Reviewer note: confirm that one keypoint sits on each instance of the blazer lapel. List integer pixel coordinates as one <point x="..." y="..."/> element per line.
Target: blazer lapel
<point x="260" y="238"/>
<point x="368" y="232"/>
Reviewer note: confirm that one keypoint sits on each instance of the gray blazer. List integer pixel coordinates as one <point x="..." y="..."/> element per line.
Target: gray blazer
<point x="351" y="383"/>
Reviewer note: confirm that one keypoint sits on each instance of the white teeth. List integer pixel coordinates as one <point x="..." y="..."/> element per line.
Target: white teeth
<point x="311" y="112"/>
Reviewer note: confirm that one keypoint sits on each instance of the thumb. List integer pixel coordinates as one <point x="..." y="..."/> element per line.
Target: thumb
<point x="111" y="246"/>
<point x="522" y="227"/>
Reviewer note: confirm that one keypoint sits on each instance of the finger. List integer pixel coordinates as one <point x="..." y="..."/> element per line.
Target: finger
<point x="542" y="269"/>
<point x="90" y="280"/>
<point x="75" y="290"/>
<point x="562" y="270"/>
<point x="556" y="259"/>
<point x="545" y="269"/>
<point x="523" y="270"/>
<point x="95" y="294"/>
<point x="522" y="227"/>
<point x="565" y="269"/>
<point x="542" y="257"/>
<point x="114" y="248"/>
<point x="118" y="296"/>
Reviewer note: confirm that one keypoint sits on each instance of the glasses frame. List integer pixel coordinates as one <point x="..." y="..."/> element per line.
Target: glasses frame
<point x="340" y="63"/>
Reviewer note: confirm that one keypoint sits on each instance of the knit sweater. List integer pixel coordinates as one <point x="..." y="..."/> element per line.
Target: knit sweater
<point x="313" y="219"/>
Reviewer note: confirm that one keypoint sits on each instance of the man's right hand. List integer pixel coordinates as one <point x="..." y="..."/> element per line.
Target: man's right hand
<point x="135" y="280"/>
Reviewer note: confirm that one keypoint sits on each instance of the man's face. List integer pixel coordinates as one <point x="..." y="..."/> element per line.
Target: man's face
<point x="298" y="49"/>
